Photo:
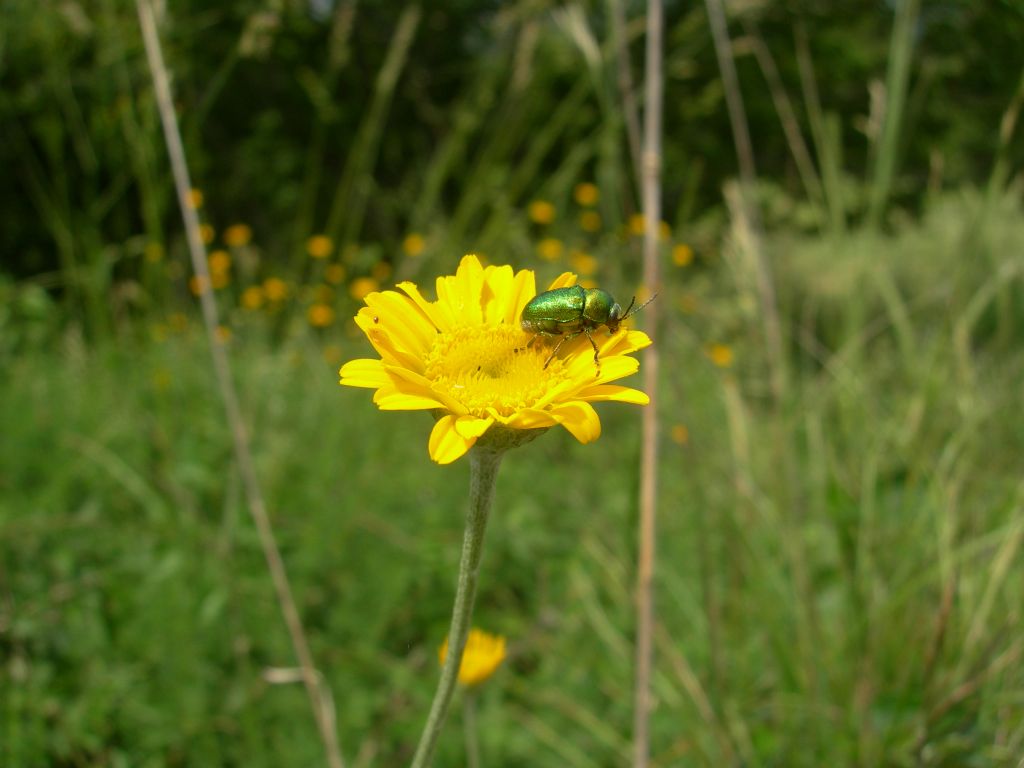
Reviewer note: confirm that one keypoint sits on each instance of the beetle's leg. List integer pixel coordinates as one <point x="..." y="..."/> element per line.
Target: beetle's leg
<point x="558" y="346"/>
<point x="594" y="345"/>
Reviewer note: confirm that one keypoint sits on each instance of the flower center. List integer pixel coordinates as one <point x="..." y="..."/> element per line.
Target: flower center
<point x="492" y="367"/>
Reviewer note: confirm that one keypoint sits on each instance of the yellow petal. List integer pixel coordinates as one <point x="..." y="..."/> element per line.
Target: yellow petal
<point x="564" y="280"/>
<point x="364" y="373"/>
<point x="417" y="384"/>
<point x="471" y="427"/>
<point x="446" y="444"/>
<point x="383" y="340"/>
<point x="580" y="419"/>
<point x="524" y="288"/>
<point x="408" y="325"/>
<point x="530" y="418"/>
<point x="463" y="291"/>
<point x="391" y="399"/>
<point x="440" y="314"/>
<point x="613" y="392"/>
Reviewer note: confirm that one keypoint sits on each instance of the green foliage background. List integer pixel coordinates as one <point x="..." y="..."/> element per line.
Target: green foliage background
<point x="839" y="577"/>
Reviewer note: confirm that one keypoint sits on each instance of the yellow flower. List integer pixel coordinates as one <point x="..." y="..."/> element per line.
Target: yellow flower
<point x="466" y="358"/>
<point x="680" y="434"/>
<point x="720" y="354"/>
<point x="682" y="254"/>
<point x="636" y="227"/>
<point x="252" y="297"/>
<point x="334" y="273"/>
<point x="541" y="212"/>
<point x="413" y="244"/>
<point x="220" y="262"/>
<point x="195" y="198"/>
<point x="207" y="233"/>
<point x="483" y="654"/>
<point x="220" y="280"/>
<point x="583" y="263"/>
<point x="361" y="287"/>
<point x="198" y="285"/>
<point x="223" y="333"/>
<point x="590" y="221"/>
<point x="319" y="246"/>
<point x="238" y="235"/>
<point x="550" y="248"/>
<point x="275" y="289"/>
<point x="332" y="354"/>
<point x="585" y="193"/>
<point x="320" y="315"/>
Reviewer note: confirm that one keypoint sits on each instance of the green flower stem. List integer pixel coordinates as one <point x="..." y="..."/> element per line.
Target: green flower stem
<point x="483" y="472"/>
<point x="469" y="721"/>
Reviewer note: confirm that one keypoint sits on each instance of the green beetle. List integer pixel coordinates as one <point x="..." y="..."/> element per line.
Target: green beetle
<point x="568" y="312"/>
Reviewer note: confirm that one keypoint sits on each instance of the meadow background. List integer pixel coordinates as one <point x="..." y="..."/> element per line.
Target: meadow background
<point x="839" y="577"/>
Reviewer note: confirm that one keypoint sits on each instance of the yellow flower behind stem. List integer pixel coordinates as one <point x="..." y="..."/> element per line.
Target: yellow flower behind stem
<point x="483" y="655"/>
<point x="465" y="358"/>
<point x="413" y="244"/>
<point x="238" y="235"/>
<point x="541" y="212"/>
<point x="319" y="246"/>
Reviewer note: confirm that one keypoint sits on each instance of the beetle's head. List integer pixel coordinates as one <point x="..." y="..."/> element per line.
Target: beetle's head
<point x="616" y="315"/>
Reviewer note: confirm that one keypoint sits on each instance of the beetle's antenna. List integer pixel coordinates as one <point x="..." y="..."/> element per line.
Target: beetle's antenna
<point x="630" y="311"/>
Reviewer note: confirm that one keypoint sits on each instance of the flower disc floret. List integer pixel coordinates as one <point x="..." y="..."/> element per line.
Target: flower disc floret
<point x="465" y="358"/>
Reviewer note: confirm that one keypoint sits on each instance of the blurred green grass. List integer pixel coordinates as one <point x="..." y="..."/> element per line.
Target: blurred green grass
<point x="839" y="575"/>
<point x="839" y="578"/>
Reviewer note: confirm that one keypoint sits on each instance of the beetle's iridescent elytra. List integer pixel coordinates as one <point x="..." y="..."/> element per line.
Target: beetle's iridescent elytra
<point x="568" y="312"/>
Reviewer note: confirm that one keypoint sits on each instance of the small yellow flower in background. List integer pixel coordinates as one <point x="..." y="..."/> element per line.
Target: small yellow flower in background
<point x="334" y="274"/>
<point x="275" y="289"/>
<point x="688" y="304"/>
<point x="237" y="235"/>
<point x="588" y="283"/>
<point x="252" y="297"/>
<point x="207" y="233"/>
<point x="590" y="221"/>
<point x="198" y="285"/>
<point x="223" y="333"/>
<point x="381" y="271"/>
<point x="583" y="263"/>
<point x="332" y="354"/>
<point x="220" y="280"/>
<point x="541" y="212"/>
<point x="320" y="315"/>
<point x="550" y="248"/>
<point x="319" y="246"/>
<point x="362" y="287"/>
<point x="413" y="244"/>
<point x="154" y="252"/>
<point x="636" y="227"/>
<point x="219" y="261"/>
<point x="720" y="354"/>
<point x="680" y="434"/>
<point x="195" y="199"/>
<point x="483" y="655"/>
<point x="466" y="358"/>
<point x="585" y="193"/>
<point x="682" y="255"/>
